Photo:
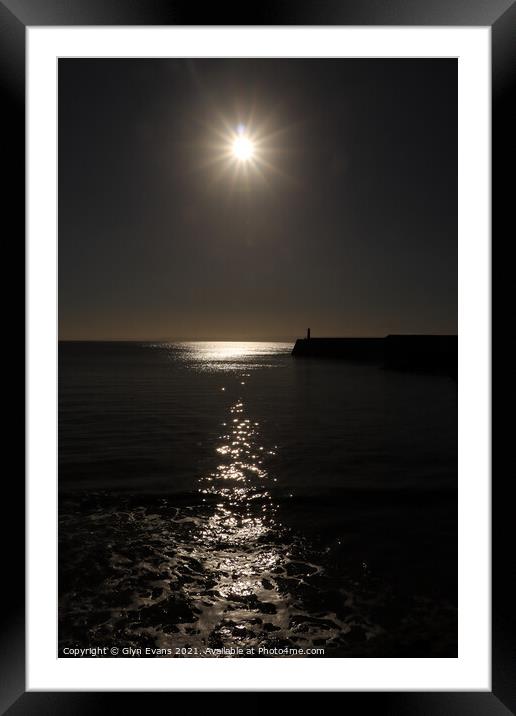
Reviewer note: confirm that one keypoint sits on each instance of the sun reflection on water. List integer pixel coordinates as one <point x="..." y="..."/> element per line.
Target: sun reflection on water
<point x="229" y="356"/>
<point x="245" y="510"/>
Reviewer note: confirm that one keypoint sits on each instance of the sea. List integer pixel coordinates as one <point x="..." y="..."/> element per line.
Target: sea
<point x="225" y="499"/>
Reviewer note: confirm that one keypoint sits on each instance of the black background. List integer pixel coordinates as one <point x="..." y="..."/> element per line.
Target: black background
<point x="14" y="16"/>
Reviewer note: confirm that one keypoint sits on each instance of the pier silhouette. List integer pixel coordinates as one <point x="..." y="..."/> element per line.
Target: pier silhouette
<point x="416" y="353"/>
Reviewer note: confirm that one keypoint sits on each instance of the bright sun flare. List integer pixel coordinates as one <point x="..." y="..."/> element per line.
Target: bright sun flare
<point x="243" y="148"/>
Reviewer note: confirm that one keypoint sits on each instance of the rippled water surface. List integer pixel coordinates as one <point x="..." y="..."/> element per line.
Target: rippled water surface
<point x="223" y="495"/>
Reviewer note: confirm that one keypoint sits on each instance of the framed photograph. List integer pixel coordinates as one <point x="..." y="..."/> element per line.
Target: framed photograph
<point x="258" y="263"/>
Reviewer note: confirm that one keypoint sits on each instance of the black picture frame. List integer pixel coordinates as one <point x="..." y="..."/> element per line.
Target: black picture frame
<point x="500" y="15"/>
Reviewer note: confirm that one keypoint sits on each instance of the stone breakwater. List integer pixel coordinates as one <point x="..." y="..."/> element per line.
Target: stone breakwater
<point x="418" y="353"/>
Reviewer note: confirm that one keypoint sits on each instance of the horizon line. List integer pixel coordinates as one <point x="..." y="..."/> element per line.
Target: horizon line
<point x="240" y="340"/>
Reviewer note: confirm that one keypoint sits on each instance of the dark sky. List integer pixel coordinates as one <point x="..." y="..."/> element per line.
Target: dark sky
<point x="349" y="225"/>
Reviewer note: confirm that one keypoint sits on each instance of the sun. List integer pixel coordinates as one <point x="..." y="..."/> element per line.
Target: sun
<point x="242" y="148"/>
<point x="243" y="152"/>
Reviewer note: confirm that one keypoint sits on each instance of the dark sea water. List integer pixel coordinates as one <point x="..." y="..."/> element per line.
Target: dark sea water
<point x="225" y="495"/>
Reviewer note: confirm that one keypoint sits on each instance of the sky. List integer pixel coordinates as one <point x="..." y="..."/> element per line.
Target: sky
<point x="344" y="220"/>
